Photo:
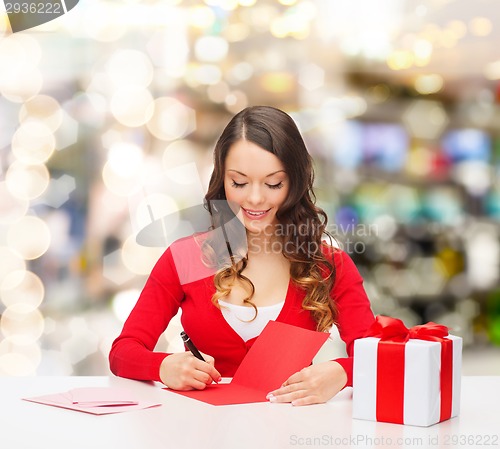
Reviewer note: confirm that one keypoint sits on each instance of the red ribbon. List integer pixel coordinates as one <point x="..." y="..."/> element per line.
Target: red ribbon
<point x="393" y="336"/>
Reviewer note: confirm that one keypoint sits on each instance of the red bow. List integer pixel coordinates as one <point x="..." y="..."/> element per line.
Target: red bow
<point x="393" y="336"/>
<point x="392" y="329"/>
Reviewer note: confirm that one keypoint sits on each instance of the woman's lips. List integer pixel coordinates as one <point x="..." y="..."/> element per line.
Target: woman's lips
<point x="255" y="214"/>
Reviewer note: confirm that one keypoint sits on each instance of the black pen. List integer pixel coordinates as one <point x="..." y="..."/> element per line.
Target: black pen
<point x="190" y="345"/>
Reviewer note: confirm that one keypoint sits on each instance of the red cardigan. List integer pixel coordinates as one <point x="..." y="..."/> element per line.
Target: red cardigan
<point x="177" y="281"/>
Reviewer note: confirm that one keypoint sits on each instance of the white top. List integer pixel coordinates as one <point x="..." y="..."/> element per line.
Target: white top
<point x="240" y="318"/>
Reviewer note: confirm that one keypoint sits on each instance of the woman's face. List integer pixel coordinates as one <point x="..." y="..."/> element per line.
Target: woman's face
<point x="255" y="180"/>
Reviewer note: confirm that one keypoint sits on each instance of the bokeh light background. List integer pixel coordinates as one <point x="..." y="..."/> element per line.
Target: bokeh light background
<point x="109" y="114"/>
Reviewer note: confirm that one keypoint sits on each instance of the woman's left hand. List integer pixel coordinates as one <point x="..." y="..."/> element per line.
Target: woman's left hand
<point x="312" y="385"/>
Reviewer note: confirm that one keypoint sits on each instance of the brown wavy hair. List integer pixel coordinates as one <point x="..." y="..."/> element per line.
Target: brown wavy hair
<point x="303" y="224"/>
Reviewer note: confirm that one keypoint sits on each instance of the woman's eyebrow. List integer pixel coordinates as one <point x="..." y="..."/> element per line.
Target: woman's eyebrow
<point x="267" y="176"/>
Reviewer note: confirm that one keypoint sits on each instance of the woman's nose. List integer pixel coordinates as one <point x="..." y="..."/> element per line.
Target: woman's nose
<point x="256" y="195"/>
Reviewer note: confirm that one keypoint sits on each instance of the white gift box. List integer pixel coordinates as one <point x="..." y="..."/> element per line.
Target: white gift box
<point x="420" y="385"/>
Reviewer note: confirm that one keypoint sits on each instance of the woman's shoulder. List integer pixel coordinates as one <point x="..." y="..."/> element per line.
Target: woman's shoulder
<point x="331" y="249"/>
<point x="187" y="257"/>
<point x="336" y="255"/>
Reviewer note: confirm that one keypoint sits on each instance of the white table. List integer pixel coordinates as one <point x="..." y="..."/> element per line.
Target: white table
<point x="184" y="423"/>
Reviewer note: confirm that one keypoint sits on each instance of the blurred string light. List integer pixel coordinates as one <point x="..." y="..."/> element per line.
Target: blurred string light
<point x="458" y="28"/>
<point x="247" y="3"/>
<point x="405" y="203"/>
<point x="429" y="84"/>
<point x="278" y="82"/>
<point x="169" y="49"/>
<point x="22" y="287"/>
<point x="370" y="201"/>
<point x="400" y="60"/>
<point x="368" y="34"/>
<point x="203" y="74"/>
<point x="132" y="106"/>
<point x="211" y="48"/>
<point x="129" y="68"/>
<point x="447" y="39"/>
<point x="419" y="162"/>
<point x="443" y="205"/>
<point x="42" y="109"/>
<point x="82" y="341"/>
<point x="241" y="71"/>
<point x="379" y="93"/>
<point x="311" y="76"/>
<point x="201" y="17"/>
<point x="295" y="21"/>
<point x="178" y="152"/>
<point x="124" y="158"/>
<point x="129" y="73"/>
<point x="121" y="173"/>
<point x="171" y="119"/>
<point x="386" y="227"/>
<point x="101" y="21"/>
<point x="236" y="101"/>
<point x="425" y="119"/>
<point x="483" y="255"/>
<point x="20" y="78"/>
<point x="90" y="108"/>
<point x="475" y="176"/>
<point x="155" y="206"/>
<point x="123" y="303"/>
<point x="139" y="259"/>
<point x="27" y="182"/>
<point x="23" y="325"/>
<point x="29" y="237"/>
<point x="492" y="70"/>
<point x="236" y="32"/>
<point x="33" y="142"/>
<point x="217" y="93"/>
<point x="10" y="261"/>
<point x="480" y="26"/>
<point x="422" y="50"/>
<point x="4" y="24"/>
<point x="429" y="275"/>
<point x="19" y="359"/>
<point x="11" y="207"/>
<point x="228" y="5"/>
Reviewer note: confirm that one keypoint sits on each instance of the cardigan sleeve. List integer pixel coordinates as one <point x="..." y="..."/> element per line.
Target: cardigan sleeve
<point x="132" y="354"/>
<point x="354" y="312"/>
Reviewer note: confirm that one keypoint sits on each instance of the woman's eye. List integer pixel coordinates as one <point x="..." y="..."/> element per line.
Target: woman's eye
<point x="275" y="186"/>
<point x="237" y="185"/>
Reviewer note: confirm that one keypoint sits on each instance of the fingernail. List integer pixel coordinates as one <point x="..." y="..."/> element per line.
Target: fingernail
<point x="271" y="397"/>
<point x="219" y="379"/>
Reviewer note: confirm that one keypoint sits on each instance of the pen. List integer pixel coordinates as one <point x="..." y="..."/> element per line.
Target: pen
<point x="190" y="345"/>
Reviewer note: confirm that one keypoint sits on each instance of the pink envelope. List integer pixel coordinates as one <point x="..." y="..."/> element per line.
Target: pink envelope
<point x="280" y="351"/>
<point x="95" y="400"/>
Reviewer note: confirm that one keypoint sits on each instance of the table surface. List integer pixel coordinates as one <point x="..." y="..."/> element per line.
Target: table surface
<point x="181" y="422"/>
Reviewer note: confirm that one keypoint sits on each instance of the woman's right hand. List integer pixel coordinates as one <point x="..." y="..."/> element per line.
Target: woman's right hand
<point x="183" y="371"/>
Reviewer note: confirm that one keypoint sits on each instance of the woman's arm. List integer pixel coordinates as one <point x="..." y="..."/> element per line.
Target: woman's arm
<point x="320" y="382"/>
<point x="354" y="311"/>
<point x="132" y="353"/>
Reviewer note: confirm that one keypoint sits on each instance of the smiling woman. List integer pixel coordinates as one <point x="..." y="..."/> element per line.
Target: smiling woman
<point x="262" y="190"/>
<point x="283" y="271"/>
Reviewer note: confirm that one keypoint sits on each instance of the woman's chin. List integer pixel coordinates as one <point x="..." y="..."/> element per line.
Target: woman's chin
<point x="259" y="228"/>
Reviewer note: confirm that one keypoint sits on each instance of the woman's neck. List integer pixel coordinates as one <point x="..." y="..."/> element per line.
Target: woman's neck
<point x="264" y="243"/>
